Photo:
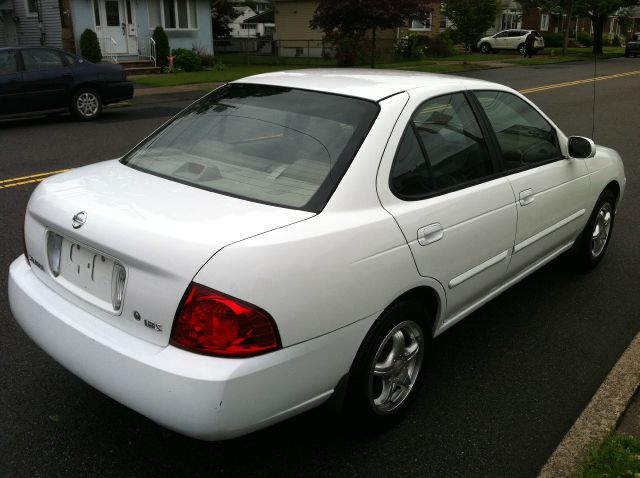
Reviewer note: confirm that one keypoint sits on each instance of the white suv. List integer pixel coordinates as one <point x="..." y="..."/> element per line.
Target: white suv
<point x="509" y="40"/>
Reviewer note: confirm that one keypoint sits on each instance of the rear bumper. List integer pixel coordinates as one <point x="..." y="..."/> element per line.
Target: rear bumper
<point x="119" y="91"/>
<point x="203" y="397"/>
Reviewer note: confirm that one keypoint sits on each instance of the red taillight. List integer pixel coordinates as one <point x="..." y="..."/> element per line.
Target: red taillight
<point x="212" y="323"/>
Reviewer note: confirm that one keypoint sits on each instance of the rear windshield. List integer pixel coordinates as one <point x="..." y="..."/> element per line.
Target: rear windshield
<point x="280" y="146"/>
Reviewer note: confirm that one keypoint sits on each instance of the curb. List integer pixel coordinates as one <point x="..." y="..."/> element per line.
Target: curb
<point x="600" y="417"/>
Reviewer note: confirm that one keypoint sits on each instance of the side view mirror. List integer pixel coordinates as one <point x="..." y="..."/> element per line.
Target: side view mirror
<point x="581" y="148"/>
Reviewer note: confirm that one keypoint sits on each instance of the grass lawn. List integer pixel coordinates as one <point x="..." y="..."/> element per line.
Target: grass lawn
<point x="234" y="67"/>
<point x="618" y="456"/>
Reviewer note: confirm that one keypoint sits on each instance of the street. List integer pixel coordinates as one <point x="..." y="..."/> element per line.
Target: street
<point x="501" y="388"/>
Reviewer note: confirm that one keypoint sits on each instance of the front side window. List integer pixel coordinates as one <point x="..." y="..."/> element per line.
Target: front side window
<point x="179" y="14"/>
<point x="442" y="149"/>
<point x="41" y="59"/>
<point x="268" y="144"/>
<point x="524" y="136"/>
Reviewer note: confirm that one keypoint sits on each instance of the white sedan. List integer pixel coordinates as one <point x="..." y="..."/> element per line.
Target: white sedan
<point x="299" y="237"/>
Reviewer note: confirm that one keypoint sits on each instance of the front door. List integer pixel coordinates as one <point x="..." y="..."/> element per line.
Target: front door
<point x="459" y="220"/>
<point x="111" y="26"/>
<point x="551" y="192"/>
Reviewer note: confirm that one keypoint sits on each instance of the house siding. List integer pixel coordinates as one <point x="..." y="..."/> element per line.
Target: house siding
<point x="31" y="32"/>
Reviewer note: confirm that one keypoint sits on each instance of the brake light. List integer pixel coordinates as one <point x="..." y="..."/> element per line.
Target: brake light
<point x="212" y="323"/>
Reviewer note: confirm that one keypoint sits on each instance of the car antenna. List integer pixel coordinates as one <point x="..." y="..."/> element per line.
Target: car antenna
<point x="593" y="110"/>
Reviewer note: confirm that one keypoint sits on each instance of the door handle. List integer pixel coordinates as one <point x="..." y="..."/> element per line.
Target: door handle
<point x="527" y="197"/>
<point x="430" y="234"/>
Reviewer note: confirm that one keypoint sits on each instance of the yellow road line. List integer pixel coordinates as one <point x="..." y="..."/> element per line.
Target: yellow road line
<point x="22" y="183"/>
<point x="50" y="173"/>
<point x="579" y="82"/>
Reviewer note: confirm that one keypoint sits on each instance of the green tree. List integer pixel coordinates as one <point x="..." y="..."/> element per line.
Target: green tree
<point x="222" y="13"/>
<point x="471" y="18"/>
<point x="89" y="46"/>
<point x="352" y="18"/>
<point x="162" y="46"/>
<point x="598" y="11"/>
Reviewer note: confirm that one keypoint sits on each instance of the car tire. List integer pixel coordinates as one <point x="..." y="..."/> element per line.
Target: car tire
<point x="626" y="54"/>
<point x="592" y="244"/>
<point x="86" y="104"/>
<point x="388" y="367"/>
<point x="522" y="49"/>
<point x="485" y="48"/>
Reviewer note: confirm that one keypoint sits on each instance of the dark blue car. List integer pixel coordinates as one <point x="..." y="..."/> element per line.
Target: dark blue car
<point x="48" y="80"/>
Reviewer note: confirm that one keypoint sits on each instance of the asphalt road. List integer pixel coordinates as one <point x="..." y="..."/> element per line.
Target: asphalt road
<point x="502" y="387"/>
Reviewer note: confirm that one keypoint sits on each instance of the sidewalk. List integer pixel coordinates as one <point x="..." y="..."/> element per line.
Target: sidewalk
<point x="614" y="407"/>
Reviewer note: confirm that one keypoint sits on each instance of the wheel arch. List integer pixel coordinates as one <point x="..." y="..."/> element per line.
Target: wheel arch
<point x="94" y="86"/>
<point x="429" y="298"/>
<point x="614" y="187"/>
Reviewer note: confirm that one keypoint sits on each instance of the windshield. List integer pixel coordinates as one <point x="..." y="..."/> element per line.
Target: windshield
<point x="281" y="146"/>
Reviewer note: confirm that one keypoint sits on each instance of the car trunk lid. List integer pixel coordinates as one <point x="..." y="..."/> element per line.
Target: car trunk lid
<point x="159" y="231"/>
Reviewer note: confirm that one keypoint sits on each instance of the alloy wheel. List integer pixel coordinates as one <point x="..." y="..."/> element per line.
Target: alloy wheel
<point x="395" y="367"/>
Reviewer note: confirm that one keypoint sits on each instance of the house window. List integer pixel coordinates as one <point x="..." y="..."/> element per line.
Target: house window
<point x="544" y="22"/>
<point x="248" y="26"/>
<point x="444" y="22"/>
<point x="421" y="23"/>
<point x="31" y="7"/>
<point x="179" y="14"/>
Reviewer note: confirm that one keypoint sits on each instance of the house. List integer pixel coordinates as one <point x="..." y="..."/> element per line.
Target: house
<point x="124" y="27"/>
<point x="249" y="24"/>
<point x="296" y="38"/>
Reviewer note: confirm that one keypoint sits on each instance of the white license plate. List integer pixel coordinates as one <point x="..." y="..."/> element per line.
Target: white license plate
<point x="87" y="269"/>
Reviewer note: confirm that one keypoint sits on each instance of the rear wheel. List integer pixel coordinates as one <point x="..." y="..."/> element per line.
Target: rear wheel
<point x="387" y="370"/>
<point x="522" y="49"/>
<point x="593" y="242"/>
<point x="86" y="104"/>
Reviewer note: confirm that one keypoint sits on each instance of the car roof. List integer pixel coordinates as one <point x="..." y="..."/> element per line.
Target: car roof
<point x="372" y="85"/>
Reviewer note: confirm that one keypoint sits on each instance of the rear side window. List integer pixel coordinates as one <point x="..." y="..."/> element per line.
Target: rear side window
<point x="442" y="149"/>
<point x="275" y="145"/>
<point x="525" y="137"/>
<point x="8" y="62"/>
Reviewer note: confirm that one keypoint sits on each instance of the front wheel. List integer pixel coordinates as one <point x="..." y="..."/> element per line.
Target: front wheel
<point x="387" y="370"/>
<point x="86" y="104"/>
<point x="592" y="244"/>
<point x="485" y="48"/>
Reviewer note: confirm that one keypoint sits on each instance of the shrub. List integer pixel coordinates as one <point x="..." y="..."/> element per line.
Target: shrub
<point x="552" y="40"/>
<point x="89" y="46"/>
<point x="410" y="47"/>
<point x="606" y="40"/>
<point x="207" y="60"/>
<point x="441" y="45"/>
<point x="585" y="39"/>
<point x="162" y="46"/>
<point x="617" y="41"/>
<point x="349" y="49"/>
<point x="186" y="60"/>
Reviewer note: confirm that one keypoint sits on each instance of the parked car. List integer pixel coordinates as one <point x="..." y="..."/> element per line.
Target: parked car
<point x="48" y="80"/>
<point x="509" y="40"/>
<point x="633" y="45"/>
<point x="299" y="237"/>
